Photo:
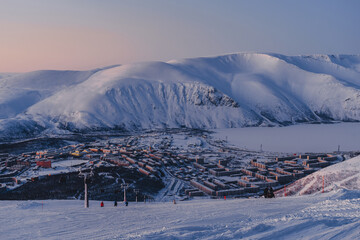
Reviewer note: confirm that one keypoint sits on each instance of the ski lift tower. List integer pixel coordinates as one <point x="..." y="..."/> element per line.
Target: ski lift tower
<point x="86" y="199"/>
<point x="125" y="186"/>
<point x="87" y="177"/>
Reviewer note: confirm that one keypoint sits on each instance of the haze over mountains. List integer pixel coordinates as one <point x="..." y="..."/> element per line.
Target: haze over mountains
<point x="237" y="90"/>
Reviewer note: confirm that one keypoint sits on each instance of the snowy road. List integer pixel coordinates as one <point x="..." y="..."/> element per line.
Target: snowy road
<point x="322" y="216"/>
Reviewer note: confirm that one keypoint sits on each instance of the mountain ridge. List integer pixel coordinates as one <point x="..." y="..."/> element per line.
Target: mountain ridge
<point x="235" y="90"/>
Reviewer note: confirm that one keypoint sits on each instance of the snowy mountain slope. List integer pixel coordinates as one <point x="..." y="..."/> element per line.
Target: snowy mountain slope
<point x="21" y="91"/>
<point x="128" y="98"/>
<point x="6" y="75"/>
<point x="344" y="175"/>
<point x="273" y="87"/>
<point x="345" y="68"/>
<point x="234" y="90"/>
<point x="324" y="216"/>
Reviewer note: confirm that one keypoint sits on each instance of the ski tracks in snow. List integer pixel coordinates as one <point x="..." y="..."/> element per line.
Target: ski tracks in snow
<point x="322" y="216"/>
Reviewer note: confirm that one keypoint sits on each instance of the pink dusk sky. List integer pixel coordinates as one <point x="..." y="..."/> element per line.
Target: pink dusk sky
<point x="79" y="35"/>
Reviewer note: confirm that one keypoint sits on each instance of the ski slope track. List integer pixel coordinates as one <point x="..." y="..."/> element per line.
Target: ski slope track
<point x="237" y="90"/>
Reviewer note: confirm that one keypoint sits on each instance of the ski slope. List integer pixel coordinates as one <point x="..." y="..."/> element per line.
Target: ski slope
<point x="323" y="216"/>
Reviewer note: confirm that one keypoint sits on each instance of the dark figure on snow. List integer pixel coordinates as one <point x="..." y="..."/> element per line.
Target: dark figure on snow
<point x="271" y="193"/>
<point x="126" y="203"/>
<point x="102" y="204"/>
<point x="115" y="203"/>
<point x="266" y="192"/>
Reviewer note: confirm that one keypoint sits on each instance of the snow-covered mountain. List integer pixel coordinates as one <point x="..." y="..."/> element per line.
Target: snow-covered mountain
<point x="237" y="90"/>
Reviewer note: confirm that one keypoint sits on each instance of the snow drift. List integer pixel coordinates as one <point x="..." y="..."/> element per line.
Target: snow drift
<point x="237" y="90"/>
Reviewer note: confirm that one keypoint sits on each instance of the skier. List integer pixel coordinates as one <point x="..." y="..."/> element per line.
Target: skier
<point x="126" y="203"/>
<point x="102" y="204"/>
<point x="271" y="193"/>
<point x="115" y="203"/>
<point x="266" y="192"/>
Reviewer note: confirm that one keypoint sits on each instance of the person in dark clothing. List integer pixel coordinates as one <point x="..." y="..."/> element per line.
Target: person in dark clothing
<point x="271" y="193"/>
<point x="126" y="203"/>
<point x="266" y="192"/>
<point x="115" y="203"/>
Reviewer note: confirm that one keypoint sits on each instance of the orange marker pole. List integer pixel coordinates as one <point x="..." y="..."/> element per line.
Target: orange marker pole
<point x="323" y="187"/>
<point x="285" y="191"/>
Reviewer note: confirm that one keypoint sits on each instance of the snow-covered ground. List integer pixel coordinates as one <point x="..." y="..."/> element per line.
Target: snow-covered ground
<point x="329" y="215"/>
<point x="345" y="175"/>
<point x="65" y="166"/>
<point x="295" y="139"/>
<point x="68" y="163"/>
<point x="323" y="216"/>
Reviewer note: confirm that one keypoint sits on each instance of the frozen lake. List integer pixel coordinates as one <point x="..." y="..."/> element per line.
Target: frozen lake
<point x="295" y="139"/>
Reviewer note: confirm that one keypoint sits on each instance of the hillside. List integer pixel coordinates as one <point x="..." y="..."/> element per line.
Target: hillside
<point x="344" y="175"/>
<point x="237" y="90"/>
